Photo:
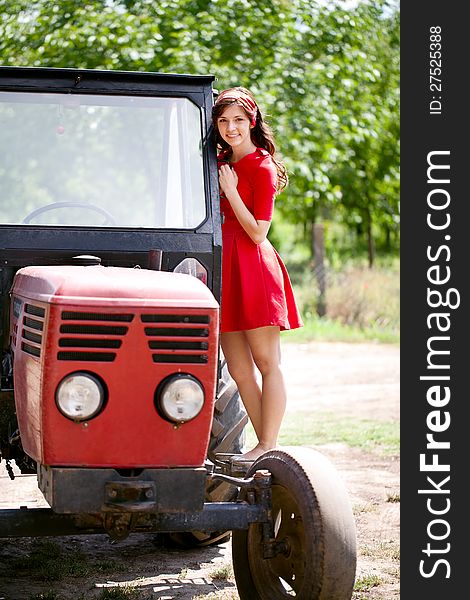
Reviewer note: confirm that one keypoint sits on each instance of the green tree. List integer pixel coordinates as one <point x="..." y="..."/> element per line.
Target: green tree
<point x="327" y="75"/>
<point x="196" y="36"/>
<point x="339" y="116"/>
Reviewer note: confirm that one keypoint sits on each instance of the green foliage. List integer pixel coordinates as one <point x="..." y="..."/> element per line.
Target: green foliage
<point x="327" y="76"/>
<point x="223" y="572"/>
<point x="366" y="582"/>
<point x="342" y="129"/>
<point x="189" y="36"/>
<point x="365" y="297"/>
<point x="362" y="303"/>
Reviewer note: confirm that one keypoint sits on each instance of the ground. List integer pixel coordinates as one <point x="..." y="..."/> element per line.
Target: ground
<point x="352" y="379"/>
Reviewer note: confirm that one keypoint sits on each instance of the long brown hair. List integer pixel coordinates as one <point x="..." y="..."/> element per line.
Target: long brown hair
<point x="261" y="134"/>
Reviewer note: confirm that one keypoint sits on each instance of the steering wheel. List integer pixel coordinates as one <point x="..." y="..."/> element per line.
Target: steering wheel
<point x="109" y="219"/>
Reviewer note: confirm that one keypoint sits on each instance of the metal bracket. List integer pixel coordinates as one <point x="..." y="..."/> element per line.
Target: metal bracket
<point x="237" y="481"/>
<point x="118" y="526"/>
<point x="130" y="496"/>
<point x="9" y="469"/>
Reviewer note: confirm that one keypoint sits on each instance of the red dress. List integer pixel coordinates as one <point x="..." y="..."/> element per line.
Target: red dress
<point x="256" y="289"/>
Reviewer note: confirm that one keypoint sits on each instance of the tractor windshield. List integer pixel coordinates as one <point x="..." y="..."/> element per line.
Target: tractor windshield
<point x="101" y="161"/>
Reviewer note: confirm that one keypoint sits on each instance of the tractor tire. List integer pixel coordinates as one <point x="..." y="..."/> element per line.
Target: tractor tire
<point x="228" y="430"/>
<point x="228" y="436"/>
<point x="313" y="519"/>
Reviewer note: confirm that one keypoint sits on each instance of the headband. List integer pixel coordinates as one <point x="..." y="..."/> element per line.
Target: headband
<point x="243" y="100"/>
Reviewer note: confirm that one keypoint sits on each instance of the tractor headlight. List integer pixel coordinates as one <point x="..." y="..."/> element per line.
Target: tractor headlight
<point x="191" y="266"/>
<point x="180" y="398"/>
<point x="80" y="396"/>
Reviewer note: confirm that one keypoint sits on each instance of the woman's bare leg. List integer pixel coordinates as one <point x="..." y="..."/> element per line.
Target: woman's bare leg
<point x="265" y="347"/>
<point x="242" y="369"/>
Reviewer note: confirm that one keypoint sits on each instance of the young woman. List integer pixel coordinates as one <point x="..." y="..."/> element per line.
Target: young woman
<point x="257" y="299"/>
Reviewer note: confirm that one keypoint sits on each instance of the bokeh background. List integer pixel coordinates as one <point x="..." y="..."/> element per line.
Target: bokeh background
<point x="327" y="76"/>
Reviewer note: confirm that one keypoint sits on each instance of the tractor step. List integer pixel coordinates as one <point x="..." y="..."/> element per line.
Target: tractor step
<point x="232" y="464"/>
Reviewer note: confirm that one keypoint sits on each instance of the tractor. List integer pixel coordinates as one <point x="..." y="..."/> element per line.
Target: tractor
<point x="114" y="390"/>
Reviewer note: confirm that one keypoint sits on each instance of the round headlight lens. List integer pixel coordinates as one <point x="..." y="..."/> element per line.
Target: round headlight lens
<point x="181" y="398"/>
<point x="80" y="396"/>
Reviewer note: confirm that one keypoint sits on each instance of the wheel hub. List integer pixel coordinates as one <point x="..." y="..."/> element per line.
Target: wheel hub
<point x="281" y="575"/>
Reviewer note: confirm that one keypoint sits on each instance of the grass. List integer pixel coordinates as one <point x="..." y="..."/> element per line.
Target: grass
<point x="382" y="550"/>
<point x="49" y="595"/>
<point x="120" y="593"/>
<point x="393" y="497"/>
<point x="366" y="507"/>
<point x="362" y="304"/>
<point x="330" y="330"/>
<point x="223" y="572"/>
<point x="318" y="428"/>
<point x="367" y="582"/>
<point x="48" y="562"/>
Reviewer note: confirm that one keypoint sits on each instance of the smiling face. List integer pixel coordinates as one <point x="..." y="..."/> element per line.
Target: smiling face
<point x="235" y="129"/>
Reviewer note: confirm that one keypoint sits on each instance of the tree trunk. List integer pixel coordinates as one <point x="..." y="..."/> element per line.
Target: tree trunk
<point x="370" y="241"/>
<point x="388" y="238"/>
<point x="318" y="246"/>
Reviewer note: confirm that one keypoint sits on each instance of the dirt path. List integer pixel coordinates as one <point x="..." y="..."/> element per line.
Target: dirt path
<point x="352" y="379"/>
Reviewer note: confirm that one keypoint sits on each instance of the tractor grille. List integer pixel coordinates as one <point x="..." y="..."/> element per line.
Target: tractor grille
<point x="178" y="338"/>
<point x="32" y="329"/>
<point x="92" y="336"/>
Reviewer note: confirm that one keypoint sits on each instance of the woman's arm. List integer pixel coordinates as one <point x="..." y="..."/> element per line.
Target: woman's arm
<point x="256" y="229"/>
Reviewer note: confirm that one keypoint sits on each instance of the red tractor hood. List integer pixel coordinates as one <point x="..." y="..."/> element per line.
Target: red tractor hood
<point x="68" y="319"/>
<point x="91" y="285"/>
